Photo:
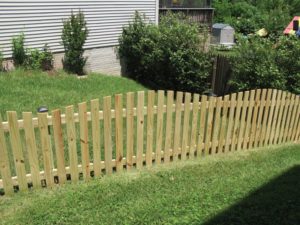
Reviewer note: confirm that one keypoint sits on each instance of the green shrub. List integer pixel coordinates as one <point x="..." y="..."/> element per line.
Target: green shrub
<point x="248" y="16"/>
<point x="168" y="56"/>
<point x="263" y="63"/>
<point x="40" y="59"/>
<point x="74" y="35"/>
<point x="287" y="60"/>
<point x="255" y="66"/>
<point x="18" y="50"/>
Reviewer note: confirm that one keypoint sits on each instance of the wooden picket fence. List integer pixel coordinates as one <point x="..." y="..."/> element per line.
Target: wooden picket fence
<point x="157" y="128"/>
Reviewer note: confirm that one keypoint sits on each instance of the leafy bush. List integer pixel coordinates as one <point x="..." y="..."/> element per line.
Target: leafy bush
<point x="19" y="52"/>
<point x="168" y="56"/>
<point x="40" y="59"/>
<point x="262" y="63"/>
<point x="248" y="16"/>
<point x="287" y="60"/>
<point x="74" y="35"/>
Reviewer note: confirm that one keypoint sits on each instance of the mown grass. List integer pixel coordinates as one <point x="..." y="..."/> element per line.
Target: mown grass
<point x="25" y="91"/>
<point x="251" y="187"/>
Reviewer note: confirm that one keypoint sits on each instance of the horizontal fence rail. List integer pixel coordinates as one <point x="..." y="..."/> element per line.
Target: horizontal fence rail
<point x="136" y="130"/>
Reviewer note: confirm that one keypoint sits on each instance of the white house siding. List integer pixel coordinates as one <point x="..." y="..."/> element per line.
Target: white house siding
<point x="41" y="22"/>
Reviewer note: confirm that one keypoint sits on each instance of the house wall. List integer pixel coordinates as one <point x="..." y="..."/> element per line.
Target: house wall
<point x="41" y="22"/>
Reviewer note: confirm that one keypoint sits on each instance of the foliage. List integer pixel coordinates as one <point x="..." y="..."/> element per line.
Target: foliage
<point x="18" y="50"/>
<point x="40" y="59"/>
<point x="248" y="16"/>
<point x="287" y="60"/>
<point x="252" y="187"/>
<point x="263" y="63"/>
<point x="74" y="35"/>
<point x="168" y="56"/>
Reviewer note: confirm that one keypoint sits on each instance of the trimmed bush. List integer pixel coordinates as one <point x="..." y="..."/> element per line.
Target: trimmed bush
<point x="168" y="56"/>
<point x="18" y="50"/>
<point x="74" y="35"/>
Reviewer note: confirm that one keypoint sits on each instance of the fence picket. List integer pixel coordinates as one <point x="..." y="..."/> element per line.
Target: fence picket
<point x="159" y="127"/>
<point x="16" y="145"/>
<point x="248" y="121"/>
<point x="284" y="117"/>
<point x="32" y="149"/>
<point x="260" y="119"/>
<point x="4" y="163"/>
<point x="177" y="131"/>
<point x="233" y="103"/>
<point x="150" y="118"/>
<point x="265" y="118"/>
<point x="237" y="122"/>
<point x="209" y="125"/>
<point x="107" y="134"/>
<point x="96" y="137"/>
<point x="59" y="145"/>
<point x="119" y="131"/>
<point x="270" y="118"/>
<point x="223" y="124"/>
<point x="129" y="130"/>
<point x="46" y="148"/>
<point x="170" y="97"/>
<point x="85" y="157"/>
<point x="280" y="119"/>
<point x="194" y="126"/>
<point x="216" y="128"/>
<point x="140" y="130"/>
<point x="71" y="133"/>
<point x="202" y="121"/>
<point x="241" y="135"/>
<point x="275" y="120"/>
<point x="297" y="119"/>
<point x="290" y="117"/>
<point x="254" y="119"/>
<point x="186" y="124"/>
<point x="297" y="136"/>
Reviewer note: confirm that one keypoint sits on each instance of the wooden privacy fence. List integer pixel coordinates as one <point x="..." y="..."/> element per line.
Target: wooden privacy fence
<point x="151" y="129"/>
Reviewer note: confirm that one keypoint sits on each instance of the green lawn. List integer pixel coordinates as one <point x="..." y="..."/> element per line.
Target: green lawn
<point x="27" y="90"/>
<point x="251" y="187"/>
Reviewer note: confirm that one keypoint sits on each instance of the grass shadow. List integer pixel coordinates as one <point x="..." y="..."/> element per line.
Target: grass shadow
<point x="276" y="203"/>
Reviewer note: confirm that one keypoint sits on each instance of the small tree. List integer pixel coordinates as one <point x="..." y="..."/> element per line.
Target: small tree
<point x="73" y="37"/>
<point x="18" y="50"/>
